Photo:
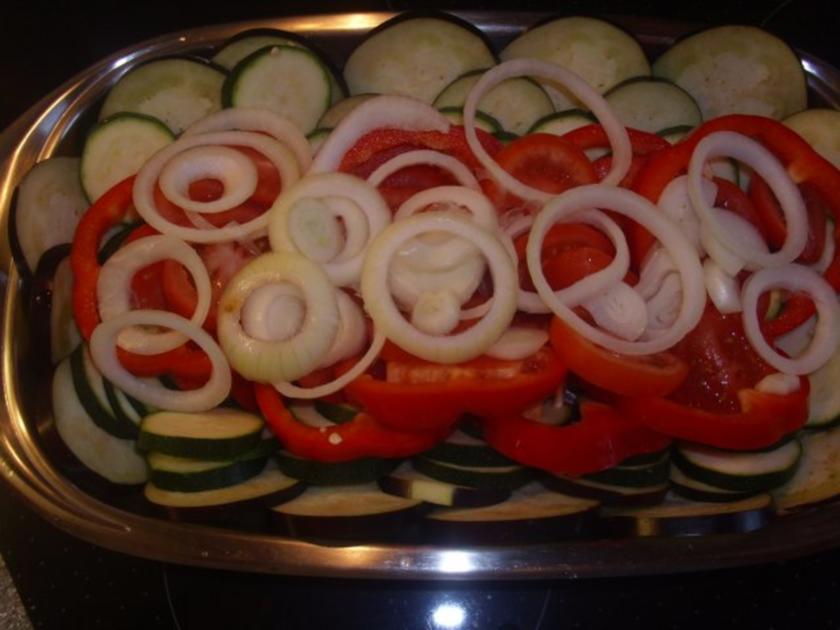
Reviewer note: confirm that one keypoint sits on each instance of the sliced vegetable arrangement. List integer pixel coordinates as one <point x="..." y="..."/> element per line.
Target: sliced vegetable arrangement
<point x="456" y="298"/>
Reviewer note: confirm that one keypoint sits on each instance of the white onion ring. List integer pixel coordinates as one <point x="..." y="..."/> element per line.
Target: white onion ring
<point x="797" y="278"/>
<point x="232" y="168"/>
<point x="656" y="266"/>
<point x="829" y="249"/>
<point x="387" y="318"/>
<point x="481" y="209"/>
<point x="676" y="204"/>
<point x="352" y="331"/>
<point x="103" y="350"/>
<point x="380" y="112"/>
<point x="307" y="393"/>
<point x="367" y="206"/>
<point x="273" y="312"/>
<point x="616" y="133"/>
<point x="436" y="312"/>
<point x="113" y="289"/>
<point x="664" y="306"/>
<point x="619" y="310"/>
<point x="722" y="288"/>
<point x="518" y="342"/>
<point x="144" y="184"/>
<point x="763" y="162"/>
<point x="732" y="262"/>
<point x="259" y="120"/>
<point x="454" y="166"/>
<point x="643" y="212"/>
<point x="296" y="356"/>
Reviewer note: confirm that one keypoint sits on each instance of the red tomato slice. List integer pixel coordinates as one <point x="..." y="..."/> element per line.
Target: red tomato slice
<point x="543" y="161"/>
<point x="650" y="375"/>
<point x="722" y="362"/>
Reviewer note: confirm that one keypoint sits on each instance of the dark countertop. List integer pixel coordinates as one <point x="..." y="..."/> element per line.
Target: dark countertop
<point x="66" y="583"/>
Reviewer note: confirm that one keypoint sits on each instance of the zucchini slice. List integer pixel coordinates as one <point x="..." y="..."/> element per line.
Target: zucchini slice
<point x="415" y="56"/>
<point x="176" y="90"/>
<point x="515" y="103"/>
<point x="507" y="477"/>
<point x="482" y="121"/>
<point x="607" y="494"/>
<point x="754" y="472"/>
<point x="112" y="458"/>
<point x="653" y="105"/>
<point x="90" y="389"/>
<point x="465" y="450"/>
<point x="248" y="42"/>
<point x="600" y="53"/>
<point x="357" y="512"/>
<point x="688" y="488"/>
<point x="269" y="487"/>
<point x="818" y="477"/>
<point x="644" y="475"/>
<point x="117" y="147"/>
<point x="340" y="109"/>
<point x="51" y="305"/>
<point x="821" y="128"/>
<point x="219" y="434"/>
<point x="531" y="514"/>
<point x="195" y="475"/>
<point x="824" y="398"/>
<point x="680" y="517"/>
<point x="561" y="123"/>
<point x="288" y="80"/>
<point x="736" y="70"/>
<point x="316" y="138"/>
<point x="49" y="203"/>
<point x="411" y="484"/>
<point x="358" y="471"/>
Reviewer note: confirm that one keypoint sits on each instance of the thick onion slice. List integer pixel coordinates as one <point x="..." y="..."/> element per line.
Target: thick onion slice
<point x="675" y="202"/>
<point x="113" y="289"/>
<point x="306" y="217"/>
<point x="594" y="284"/>
<point x="656" y="266"/>
<point x="352" y="331"/>
<point x="518" y="342"/>
<point x="261" y="121"/>
<point x="616" y="133"/>
<point x="732" y="262"/>
<point x="639" y="209"/>
<point x="293" y="391"/>
<point x="763" y="162"/>
<point x="380" y="112"/>
<point x="800" y="279"/>
<point x="454" y="166"/>
<point x="273" y="312"/>
<point x="386" y="316"/>
<point x="481" y="209"/>
<point x="722" y="288"/>
<point x="664" y="306"/>
<point x="237" y="174"/>
<point x="619" y="310"/>
<point x="147" y="179"/>
<point x="286" y="359"/>
<point x="103" y="350"/>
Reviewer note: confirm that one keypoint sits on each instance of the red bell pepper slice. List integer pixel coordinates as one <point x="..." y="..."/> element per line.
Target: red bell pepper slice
<point x="441" y="394"/>
<point x="360" y="437"/>
<point x="600" y="440"/>
<point x="805" y="166"/>
<point x="763" y="420"/>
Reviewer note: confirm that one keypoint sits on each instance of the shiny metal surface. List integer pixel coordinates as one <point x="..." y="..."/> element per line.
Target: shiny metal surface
<point x="49" y="127"/>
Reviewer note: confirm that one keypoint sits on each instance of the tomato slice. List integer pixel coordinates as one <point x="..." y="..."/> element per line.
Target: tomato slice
<point x="650" y="375"/>
<point x="722" y="363"/>
<point x="543" y="161"/>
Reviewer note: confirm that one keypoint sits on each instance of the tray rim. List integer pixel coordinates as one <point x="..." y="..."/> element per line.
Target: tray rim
<point x="36" y="134"/>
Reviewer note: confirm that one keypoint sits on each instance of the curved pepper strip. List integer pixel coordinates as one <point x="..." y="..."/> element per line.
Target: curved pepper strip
<point x="763" y="421"/>
<point x="360" y="437"/>
<point x="803" y="164"/>
<point x="601" y="439"/>
<point x="438" y="406"/>
<point x="107" y="212"/>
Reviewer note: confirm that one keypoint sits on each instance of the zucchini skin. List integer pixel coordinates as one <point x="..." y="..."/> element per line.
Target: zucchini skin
<point x="508" y="480"/>
<point x="335" y="474"/>
<point x="118" y="426"/>
<point x="221" y="477"/>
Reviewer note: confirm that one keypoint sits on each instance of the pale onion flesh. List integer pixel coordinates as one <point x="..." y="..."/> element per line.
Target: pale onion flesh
<point x="296" y="355"/>
<point x="361" y="208"/>
<point x="380" y="112"/>
<point x="800" y="279"/>
<point x="619" y="310"/>
<point x="722" y="288"/>
<point x="517" y="343"/>
<point x="765" y="164"/>
<point x="675" y="202"/>
<point x="390" y="321"/>
<point x="616" y="133"/>
<point x="147" y="180"/>
<point x="639" y="209"/>
<point x="113" y="289"/>
<point x="103" y="350"/>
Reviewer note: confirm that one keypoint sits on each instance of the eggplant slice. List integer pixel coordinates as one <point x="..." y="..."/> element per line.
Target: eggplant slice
<point x="818" y="477"/>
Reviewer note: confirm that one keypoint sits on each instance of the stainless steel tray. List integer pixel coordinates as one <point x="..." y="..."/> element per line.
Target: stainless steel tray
<point x="52" y="126"/>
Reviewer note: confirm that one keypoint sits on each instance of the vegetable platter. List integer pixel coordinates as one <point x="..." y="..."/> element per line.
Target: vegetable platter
<point x="442" y="361"/>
